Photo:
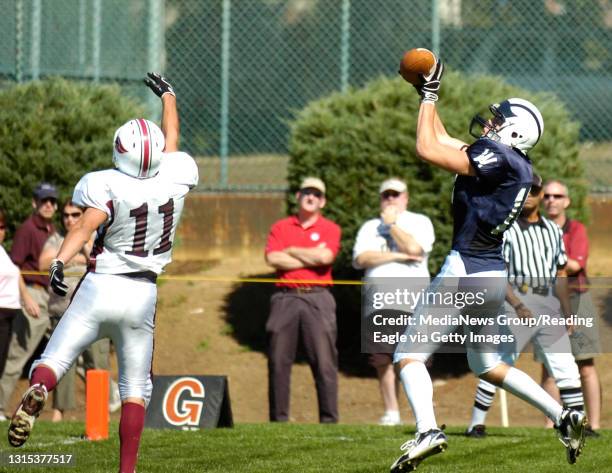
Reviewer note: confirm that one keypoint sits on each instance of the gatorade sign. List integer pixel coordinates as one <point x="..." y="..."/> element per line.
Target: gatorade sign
<point x="189" y="402"/>
<point x="184" y="410"/>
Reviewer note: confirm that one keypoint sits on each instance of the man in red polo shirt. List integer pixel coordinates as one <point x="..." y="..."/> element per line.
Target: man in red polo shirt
<point x="584" y="340"/>
<point x="28" y="331"/>
<point x="302" y="249"/>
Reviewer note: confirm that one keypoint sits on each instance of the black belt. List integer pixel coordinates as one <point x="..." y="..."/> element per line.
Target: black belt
<point x="303" y="290"/>
<point x="148" y="275"/>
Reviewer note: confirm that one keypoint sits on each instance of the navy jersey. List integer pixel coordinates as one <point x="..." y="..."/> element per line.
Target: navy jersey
<point x="485" y="205"/>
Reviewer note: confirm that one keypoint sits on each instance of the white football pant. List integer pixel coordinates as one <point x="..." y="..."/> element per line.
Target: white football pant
<point x="113" y="306"/>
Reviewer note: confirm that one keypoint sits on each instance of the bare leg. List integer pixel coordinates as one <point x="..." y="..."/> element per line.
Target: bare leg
<point x="592" y="391"/>
<point x="549" y="385"/>
<point x="388" y="387"/>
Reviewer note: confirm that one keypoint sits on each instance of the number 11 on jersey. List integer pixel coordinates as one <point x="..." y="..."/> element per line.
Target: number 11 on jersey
<point x="141" y="216"/>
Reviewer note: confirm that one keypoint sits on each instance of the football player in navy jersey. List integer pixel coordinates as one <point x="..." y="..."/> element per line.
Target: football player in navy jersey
<point x="494" y="176"/>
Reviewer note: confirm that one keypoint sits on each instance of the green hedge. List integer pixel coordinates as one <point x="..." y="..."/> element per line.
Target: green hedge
<point x="357" y="139"/>
<point x="55" y="130"/>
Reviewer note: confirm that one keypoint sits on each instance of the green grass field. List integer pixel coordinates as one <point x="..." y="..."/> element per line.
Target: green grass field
<point x="270" y="448"/>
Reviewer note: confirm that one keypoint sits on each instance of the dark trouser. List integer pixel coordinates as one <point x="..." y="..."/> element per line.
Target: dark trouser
<point x="314" y="315"/>
<point x="6" y="330"/>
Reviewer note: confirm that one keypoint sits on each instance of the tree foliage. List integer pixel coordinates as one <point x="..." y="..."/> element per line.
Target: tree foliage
<point x="55" y="130"/>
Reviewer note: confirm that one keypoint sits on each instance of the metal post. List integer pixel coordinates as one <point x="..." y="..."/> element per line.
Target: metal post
<point x="35" y="46"/>
<point x="225" y="76"/>
<point x="97" y="33"/>
<point x="154" y="48"/>
<point x="345" y="54"/>
<point x="81" y="39"/>
<point x="19" y="41"/>
<point x="435" y="27"/>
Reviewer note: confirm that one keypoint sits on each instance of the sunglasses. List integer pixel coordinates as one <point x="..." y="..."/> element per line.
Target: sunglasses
<point x="316" y="192"/>
<point x="535" y="191"/>
<point x="72" y="214"/>
<point x="387" y="194"/>
<point x="554" y="196"/>
<point x="47" y="200"/>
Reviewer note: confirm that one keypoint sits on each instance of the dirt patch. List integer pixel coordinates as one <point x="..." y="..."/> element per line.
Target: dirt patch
<point x="193" y="336"/>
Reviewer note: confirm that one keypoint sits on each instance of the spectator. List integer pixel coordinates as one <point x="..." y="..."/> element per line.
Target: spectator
<point x="394" y="245"/>
<point x="584" y="340"/>
<point x="531" y="291"/>
<point x="96" y="356"/>
<point x="302" y="248"/>
<point x="27" y="246"/>
<point x="12" y="292"/>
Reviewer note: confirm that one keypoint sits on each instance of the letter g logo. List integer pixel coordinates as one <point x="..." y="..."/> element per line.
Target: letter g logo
<point x="188" y="411"/>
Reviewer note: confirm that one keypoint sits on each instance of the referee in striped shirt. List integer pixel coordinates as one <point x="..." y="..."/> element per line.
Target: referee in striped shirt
<point x="535" y="258"/>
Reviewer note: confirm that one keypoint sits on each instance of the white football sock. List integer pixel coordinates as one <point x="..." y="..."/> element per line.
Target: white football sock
<point x="485" y="392"/>
<point x="521" y="385"/>
<point x="419" y="390"/>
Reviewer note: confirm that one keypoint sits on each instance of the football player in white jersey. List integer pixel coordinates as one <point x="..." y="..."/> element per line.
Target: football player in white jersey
<point x="135" y="209"/>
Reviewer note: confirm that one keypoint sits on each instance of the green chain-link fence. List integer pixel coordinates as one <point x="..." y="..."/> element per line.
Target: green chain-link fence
<point x="242" y="66"/>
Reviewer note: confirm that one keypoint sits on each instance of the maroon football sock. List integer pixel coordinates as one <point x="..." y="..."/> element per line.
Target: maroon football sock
<point x="130" y="429"/>
<point x="44" y="375"/>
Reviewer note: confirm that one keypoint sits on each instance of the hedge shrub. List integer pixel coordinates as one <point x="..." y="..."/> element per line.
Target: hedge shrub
<point x="55" y="130"/>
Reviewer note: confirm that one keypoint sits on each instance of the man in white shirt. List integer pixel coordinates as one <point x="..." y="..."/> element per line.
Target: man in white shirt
<point x="394" y="245"/>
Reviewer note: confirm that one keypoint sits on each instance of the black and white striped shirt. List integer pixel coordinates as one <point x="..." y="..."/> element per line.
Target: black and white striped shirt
<point x="533" y="252"/>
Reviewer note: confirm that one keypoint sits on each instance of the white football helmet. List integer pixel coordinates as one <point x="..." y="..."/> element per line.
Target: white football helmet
<point x="515" y="122"/>
<point x="138" y="147"/>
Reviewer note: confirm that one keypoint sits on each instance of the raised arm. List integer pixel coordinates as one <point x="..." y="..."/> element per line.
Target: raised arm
<point x="170" y="120"/>
<point x="433" y="143"/>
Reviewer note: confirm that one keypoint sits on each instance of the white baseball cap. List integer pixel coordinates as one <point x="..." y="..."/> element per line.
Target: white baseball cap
<point x="393" y="184"/>
<point x="313" y="183"/>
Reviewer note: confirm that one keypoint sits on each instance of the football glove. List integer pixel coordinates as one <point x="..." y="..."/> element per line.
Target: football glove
<point x="431" y="84"/>
<point x="56" y="278"/>
<point x="158" y="84"/>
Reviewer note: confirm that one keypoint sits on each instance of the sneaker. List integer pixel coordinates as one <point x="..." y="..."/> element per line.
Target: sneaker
<point x="425" y="444"/>
<point x="477" y="432"/>
<point x="23" y="420"/>
<point x="589" y="432"/>
<point x="390" y="418"/>
<point x="571" y="432"/>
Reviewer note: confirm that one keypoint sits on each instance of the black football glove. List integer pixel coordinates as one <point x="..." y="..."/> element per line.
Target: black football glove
<point x="428" y="90"/>
<point x="56" y="278"/>
<point x="158" y="84"/>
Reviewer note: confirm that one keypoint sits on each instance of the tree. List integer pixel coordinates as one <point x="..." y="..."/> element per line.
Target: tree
<point x="56" y="131"/>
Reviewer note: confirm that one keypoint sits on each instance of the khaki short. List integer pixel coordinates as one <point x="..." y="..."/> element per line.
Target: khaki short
<point x="584" y="340"/>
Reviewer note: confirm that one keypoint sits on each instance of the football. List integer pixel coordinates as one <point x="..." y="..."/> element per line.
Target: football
<point x="417" y="61"/>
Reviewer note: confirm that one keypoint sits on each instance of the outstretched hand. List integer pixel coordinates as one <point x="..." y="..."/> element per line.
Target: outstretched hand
<point x="430" y="84"/>
<point x="158" y="84"/>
